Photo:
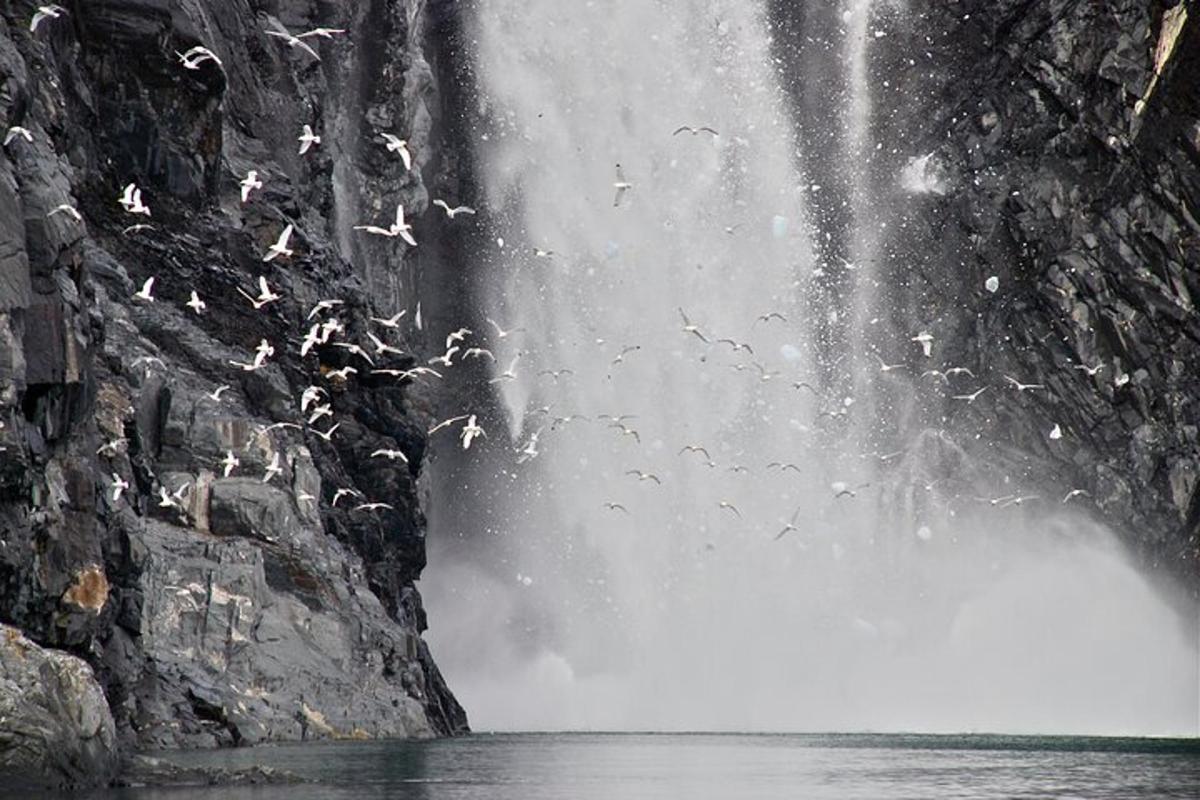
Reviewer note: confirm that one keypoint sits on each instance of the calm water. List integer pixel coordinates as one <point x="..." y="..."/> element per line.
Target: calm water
<point x="582" y="766"/>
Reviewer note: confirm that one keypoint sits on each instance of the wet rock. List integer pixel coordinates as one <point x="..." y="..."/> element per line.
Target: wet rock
<point x="55" y="726"/>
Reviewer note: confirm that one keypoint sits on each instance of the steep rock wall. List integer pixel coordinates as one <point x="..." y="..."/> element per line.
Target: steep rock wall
<point x="246" y="612"/>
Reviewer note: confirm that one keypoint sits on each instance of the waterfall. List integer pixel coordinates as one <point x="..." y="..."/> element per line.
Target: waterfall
<point x="765" y="583"/>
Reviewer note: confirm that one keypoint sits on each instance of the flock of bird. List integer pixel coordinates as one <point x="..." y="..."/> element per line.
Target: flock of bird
<point x="326" y="329"/>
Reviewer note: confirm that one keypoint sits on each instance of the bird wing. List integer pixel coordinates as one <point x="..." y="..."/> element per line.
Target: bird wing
<point x="284" y="237"/>
<point x="680" y="130"/>
<point x="406" y="157"/>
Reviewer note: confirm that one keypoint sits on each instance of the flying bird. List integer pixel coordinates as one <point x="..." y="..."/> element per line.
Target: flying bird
<point x="399" y="146"/>
<point x="307" y="139"/>
<point x="688" y="327"/>
<point x="280" y="247"/>
<point x="68" y="209"/>
<point x="265" y="294"/>
<point x="694" y="131"/>
<point x="291" y="41"/>
<point x="398" y="228"/>
<point x="273" y="469"/>
<point x="471" y="430"/>
<point x="195" y="303"/>
<point x="196" y="56"/>
<point x="391" y="455"/>
<point x="446" y="423"/>
<point x="454" y="212"/>
<point x="249" y="184"/>
<point x="146" y="292"/>
<point x="131" y="200"/>
<point x="215" y="394"/>
<point x="969" y="398"/>
<point x="14" y="132"/>
<point x="392" y="321"/>
<point x="372" y="506"/>
<point x="118" y="485"/>
<point x="1021" y="387"/>
<point x="324" y="305"/>
<point x="324" y="33"/>
<point x="52" y="11"/>
<point x="509" y="374"/>
<point x="926" y="341"/>
<point x="500" y="332"/>
<point x="621" y="185"/>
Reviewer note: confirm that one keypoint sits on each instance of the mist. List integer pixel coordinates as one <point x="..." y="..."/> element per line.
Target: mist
<point x="816" y="566"/>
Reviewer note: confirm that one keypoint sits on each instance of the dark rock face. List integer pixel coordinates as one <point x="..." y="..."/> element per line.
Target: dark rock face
<point x="1063" y="145"/>
<point x="247" y="610"/>
<point x="1070" y="154"/>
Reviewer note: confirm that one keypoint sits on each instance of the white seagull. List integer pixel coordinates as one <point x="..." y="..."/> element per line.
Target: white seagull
<point x="324" y="33"/>
<point x="621" y="185"/>
<point x="249" y="184"/>
<point x="52" y="11"/>
<point x="453" y="212"/>
<point x="146" y="292"/>
<point x="230" y="462"/>
<point x="926" y="341"/>
<point x="195" y="303"/>
<point x="688" y="327"/>
<point x="390" y="455"/>
<point x="500" y="332"/>
<point x="470" y="431"/>
<point x="273" y="469"/>
<point x="14" y="132"/>
<point x="392" y="321"/>
<point x="118" y="485"/>
<point x="324" y="305"/>
<point x="398" y="228"/>
<point x="265" y="295"/>
<point x="307" y="139"/>
<point x="196" y="56"/>
<point x="400" y="146"/>
<point x="291" y="41"/>
<point x="280" y="248"/>
<point x="131" y="200"/>
<point x="68" y="209"/>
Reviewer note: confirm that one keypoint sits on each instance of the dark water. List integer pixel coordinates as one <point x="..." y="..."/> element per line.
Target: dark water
<point x="584" y="766"/>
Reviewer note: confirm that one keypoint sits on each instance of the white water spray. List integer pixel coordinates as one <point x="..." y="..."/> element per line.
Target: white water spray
<point x="682" y="609"/>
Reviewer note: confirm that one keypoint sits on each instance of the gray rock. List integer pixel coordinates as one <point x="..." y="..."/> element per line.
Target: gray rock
<point x="55" y="726"/>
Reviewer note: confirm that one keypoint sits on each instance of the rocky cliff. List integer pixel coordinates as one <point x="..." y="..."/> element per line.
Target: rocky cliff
<point x="1065" y="152"/>
<point x="214" y="606"/>
<point x="1055" y="147"/>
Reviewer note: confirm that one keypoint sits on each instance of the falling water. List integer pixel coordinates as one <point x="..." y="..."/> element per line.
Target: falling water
<point x="693" y="604"/>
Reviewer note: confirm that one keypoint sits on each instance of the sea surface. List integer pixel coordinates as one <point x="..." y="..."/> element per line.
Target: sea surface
<point x="691" y="766"/>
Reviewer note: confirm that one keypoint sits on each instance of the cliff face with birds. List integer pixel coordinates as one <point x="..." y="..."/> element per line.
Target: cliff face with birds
<point x="1060" y="144"/>
<point x="1064" y="144"/>
<point x="213" y="605"/>
<point x="1036" y="211"/>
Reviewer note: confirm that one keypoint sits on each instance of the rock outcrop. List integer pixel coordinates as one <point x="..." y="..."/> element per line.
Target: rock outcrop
<point x="1055" y="147"/>
<point x="1067" y="135"/>
<point x="54" y="722"/>
<point x="214" y="608"/>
